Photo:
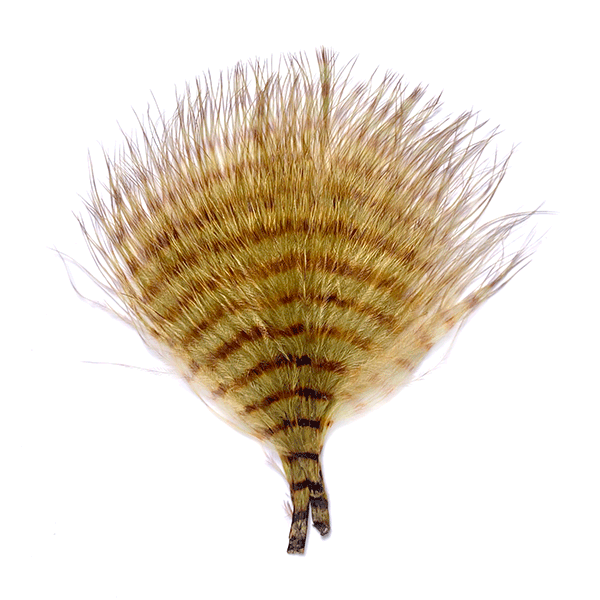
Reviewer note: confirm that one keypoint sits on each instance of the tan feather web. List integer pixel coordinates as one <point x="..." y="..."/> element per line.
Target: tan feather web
<point x="297" y="244"/>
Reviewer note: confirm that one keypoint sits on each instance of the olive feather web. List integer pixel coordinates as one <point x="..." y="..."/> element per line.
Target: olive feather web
<point x="295" y="244"/>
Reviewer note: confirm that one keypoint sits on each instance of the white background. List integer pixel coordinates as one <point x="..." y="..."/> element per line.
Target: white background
<point x="479" y="481"/>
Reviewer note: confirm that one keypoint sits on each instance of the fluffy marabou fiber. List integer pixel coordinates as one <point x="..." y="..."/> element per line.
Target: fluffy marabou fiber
<point x="296" y="244"/>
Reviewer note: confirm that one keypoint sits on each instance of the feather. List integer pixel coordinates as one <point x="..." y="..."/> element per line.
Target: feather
<point x="295" y="244"/>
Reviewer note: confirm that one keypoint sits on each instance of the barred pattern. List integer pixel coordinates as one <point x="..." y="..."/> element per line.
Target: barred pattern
<point x="298" y="245"/>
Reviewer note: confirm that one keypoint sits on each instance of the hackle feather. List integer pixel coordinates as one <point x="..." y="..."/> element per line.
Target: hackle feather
<point x="296" y="244"/>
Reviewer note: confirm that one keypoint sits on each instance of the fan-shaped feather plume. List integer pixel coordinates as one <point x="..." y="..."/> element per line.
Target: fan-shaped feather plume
<point x="296" y="246"/>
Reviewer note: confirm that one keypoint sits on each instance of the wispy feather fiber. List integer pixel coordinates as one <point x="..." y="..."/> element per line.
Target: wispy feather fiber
<point x="296" y="244"/>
